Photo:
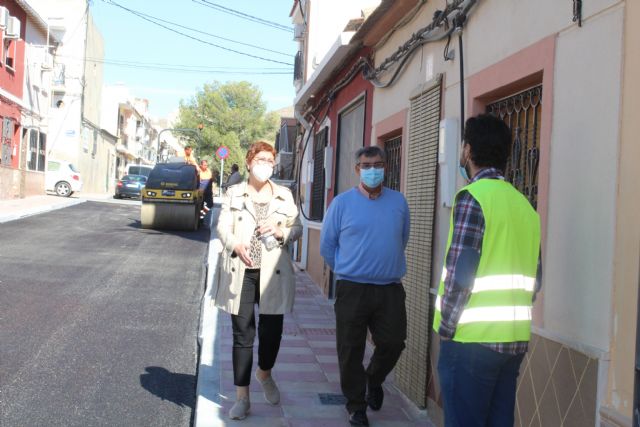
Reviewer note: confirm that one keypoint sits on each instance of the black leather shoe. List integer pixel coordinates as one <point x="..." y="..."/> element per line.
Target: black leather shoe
<point x="359" y="418"/>
<point x="375" y="396"/>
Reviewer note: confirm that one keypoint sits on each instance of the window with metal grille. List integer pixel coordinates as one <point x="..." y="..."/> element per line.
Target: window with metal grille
<point x="42" y="151"/>
<point x="317" y="188"/>
<point x="32" y="156"/>
<point x="392" y="148"/>
<point x="522" y="113"/>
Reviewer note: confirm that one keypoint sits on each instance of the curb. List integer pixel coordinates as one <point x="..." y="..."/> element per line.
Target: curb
<point x="208" y="402"/>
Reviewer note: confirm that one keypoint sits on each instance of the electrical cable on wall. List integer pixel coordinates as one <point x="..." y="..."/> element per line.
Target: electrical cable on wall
<point x="437" y="30"/>
<point x="459" y="22"/>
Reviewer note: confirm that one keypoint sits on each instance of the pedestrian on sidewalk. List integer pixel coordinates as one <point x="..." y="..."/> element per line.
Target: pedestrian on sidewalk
<point x="234" y="177"/>
<point x="257" y="222"/>
<point x="490" y="277"/>
<point x="363" y="239"/>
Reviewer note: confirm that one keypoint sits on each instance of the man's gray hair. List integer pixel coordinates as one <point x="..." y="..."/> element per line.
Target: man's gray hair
<point x="371" y="151"/>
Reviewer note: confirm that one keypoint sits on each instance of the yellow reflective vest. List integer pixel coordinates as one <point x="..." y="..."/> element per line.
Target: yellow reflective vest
<point x="499" y="308"/>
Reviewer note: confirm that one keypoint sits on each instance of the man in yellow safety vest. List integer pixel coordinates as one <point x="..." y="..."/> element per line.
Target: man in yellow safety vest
<point x="489" y="281"/>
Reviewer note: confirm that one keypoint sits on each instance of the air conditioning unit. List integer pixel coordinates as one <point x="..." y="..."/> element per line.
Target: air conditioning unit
<point x="298" y="32"/>
<point x="47" y="61"/>
<point x="4" y="15"/>
<point x="13" y="28"/>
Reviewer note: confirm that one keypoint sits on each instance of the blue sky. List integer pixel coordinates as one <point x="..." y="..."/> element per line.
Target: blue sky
<point x="129" y="38"/>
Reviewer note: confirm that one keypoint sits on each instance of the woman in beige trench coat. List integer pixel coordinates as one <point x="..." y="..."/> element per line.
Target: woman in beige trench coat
<point x="259" y="219"/>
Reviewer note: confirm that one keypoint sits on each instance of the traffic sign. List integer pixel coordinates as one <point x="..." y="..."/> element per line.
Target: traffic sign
<point x="222" y="152"/>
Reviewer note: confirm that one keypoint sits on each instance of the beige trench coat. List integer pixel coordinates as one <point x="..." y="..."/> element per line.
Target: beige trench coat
<point x="236" y="224"/>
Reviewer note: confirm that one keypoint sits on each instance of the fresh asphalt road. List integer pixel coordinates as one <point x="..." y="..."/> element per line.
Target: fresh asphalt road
<point x="98" y="319"/>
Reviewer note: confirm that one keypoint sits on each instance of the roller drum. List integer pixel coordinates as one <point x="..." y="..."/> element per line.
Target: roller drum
<point x="169" y="216"/>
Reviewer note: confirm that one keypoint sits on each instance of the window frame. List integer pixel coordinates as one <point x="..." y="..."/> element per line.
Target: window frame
<point x="7" y="44"/>
<point x="36" y="149"/>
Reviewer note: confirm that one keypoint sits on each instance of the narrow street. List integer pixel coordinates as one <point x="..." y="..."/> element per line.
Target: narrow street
<point x="98" y="319"/>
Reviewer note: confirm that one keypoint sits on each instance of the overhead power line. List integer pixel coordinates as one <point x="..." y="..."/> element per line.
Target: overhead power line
<point x="209" y="34"/>
<point x="183" y="68"/>
<point x="243" y="15"/>
<point x="111" y="2"/>
<point x="212" y="67"/>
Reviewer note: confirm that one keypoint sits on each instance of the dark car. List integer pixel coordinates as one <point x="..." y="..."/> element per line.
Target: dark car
<point x="130" y="186"/>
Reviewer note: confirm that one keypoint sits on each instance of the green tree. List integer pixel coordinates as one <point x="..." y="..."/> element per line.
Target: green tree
<point x="233" y="114"/>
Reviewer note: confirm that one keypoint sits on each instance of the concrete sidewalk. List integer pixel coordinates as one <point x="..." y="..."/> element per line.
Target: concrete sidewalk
<point x="306" y="370"/>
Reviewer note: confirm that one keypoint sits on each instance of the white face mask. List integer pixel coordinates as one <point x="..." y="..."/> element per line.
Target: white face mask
<point x="262" y="172"/>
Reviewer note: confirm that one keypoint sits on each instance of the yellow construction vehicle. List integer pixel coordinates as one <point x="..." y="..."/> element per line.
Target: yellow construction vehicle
<point x="172" y="198"/>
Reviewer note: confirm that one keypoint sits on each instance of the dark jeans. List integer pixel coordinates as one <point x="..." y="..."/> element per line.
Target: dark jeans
<point x="381" y="309"/>
<point x="478" y="385"/>
<point x="244" y="332"/>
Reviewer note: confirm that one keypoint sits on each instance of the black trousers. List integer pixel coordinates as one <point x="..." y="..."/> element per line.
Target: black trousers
<point x="381" y="310"/>
<point x="244" y="332"/>
<point x="208" y="193"/>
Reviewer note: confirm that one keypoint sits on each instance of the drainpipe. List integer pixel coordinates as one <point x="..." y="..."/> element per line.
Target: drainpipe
<point x="305" y="227"/>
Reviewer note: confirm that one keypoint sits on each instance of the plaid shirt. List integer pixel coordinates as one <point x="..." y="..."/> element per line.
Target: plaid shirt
<point x="468" y="231"/>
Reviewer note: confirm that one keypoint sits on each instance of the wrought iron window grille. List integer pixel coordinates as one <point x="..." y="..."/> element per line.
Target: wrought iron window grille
<point x="522" y="113"/>
<point x="393" y="150"/>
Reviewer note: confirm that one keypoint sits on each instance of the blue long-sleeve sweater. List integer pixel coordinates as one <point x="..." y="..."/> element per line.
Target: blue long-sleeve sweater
<point x="364" y="240"/>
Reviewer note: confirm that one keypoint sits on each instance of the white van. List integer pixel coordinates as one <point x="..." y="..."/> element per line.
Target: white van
<point x="62" y="177"/>
<point x="143" y="170"/>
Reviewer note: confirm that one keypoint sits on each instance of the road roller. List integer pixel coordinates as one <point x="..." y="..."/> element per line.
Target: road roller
<point x="171" y="199"/>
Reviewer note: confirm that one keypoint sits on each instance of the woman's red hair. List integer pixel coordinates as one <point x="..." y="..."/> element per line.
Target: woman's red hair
<point x="257" y="147"/>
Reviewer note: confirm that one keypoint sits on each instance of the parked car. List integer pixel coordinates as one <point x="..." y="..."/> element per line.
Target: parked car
<point x="62" y="177"/>
<point x="130" y="186"/>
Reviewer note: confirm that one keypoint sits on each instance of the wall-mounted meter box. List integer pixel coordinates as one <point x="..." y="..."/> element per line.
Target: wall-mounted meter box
<point x="448" y="160"/>
<point x="328" y="166"/>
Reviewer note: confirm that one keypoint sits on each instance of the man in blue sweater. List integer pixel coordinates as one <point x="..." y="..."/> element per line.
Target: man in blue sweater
<point x="364" y="235"/>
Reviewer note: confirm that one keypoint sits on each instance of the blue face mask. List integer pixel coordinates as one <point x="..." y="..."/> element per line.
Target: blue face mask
<point x="372" y="177"/>
<point x="463" y="171"/>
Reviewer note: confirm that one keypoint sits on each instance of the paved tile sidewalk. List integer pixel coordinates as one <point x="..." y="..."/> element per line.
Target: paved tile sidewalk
<point x="307" y="365"/>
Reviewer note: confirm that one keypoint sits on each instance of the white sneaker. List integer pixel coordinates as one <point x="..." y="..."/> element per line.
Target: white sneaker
<point x="270" y="389"/>
<point x="240" y="409"/>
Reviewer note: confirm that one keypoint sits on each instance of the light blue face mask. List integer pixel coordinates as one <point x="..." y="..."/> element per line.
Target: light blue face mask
<point x="463" y="171"/>
<point x="372" y="177"/>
